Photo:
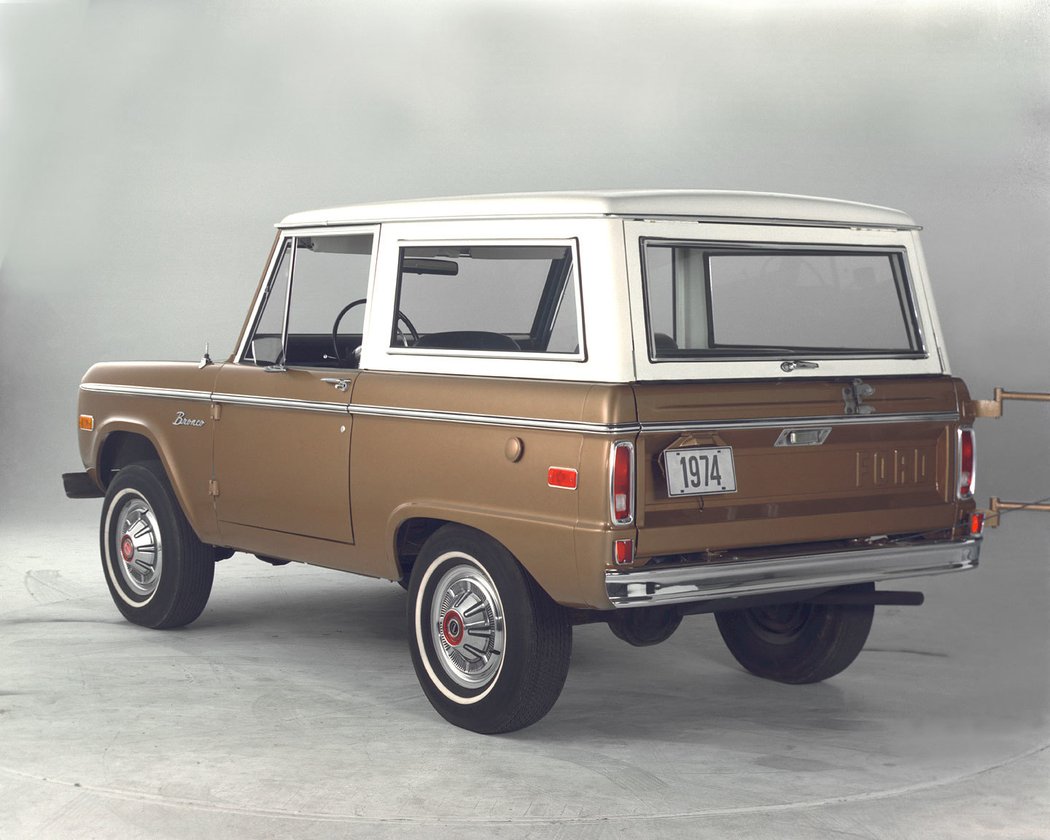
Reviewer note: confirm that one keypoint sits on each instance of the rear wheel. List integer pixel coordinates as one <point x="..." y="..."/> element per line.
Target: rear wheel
<point x="644" y="626"/>
<point x="490" y="648"/>
<point x="158" y="572"/>
<point x="797" y="643"/>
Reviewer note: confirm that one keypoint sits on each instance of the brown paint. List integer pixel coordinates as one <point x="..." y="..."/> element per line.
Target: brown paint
<point x="333" y="489"/>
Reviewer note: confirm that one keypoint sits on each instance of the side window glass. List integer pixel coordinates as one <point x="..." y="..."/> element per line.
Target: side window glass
<point x="328" y="284"/>
<point x="265" y="346"/>
<point x="489" y="299"/>
<point x="565" y="336"/>
<point x="326" y="316"/>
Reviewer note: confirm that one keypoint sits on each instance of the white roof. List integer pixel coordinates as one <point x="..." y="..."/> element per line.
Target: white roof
<point x="717" y="205"/>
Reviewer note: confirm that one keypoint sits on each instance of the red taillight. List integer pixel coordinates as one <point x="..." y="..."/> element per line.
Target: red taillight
<point x="976" y="524"/>
<point x="623" y="483"/>
<point x="966" y="464"/>
<point x="624" y="552"/>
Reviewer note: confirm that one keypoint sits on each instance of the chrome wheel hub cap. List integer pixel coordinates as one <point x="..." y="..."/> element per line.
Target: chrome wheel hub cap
<point x="139" y="545"/>
<point x="467" y="626"/>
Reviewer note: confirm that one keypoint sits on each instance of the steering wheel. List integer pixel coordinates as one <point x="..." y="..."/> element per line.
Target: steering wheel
<point x="401" y="318"/>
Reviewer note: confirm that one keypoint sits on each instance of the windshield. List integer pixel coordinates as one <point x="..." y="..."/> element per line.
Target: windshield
<point x="707" y="301"/>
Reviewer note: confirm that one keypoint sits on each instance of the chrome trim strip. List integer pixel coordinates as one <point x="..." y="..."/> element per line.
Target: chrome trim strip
<point x="493" y="420"/>
<point x="144" y="391"/>
<point x="720" y="220"/>
<point x="287" y="304"/>
<point x="279" y="402"/>
<point x="580" y="426"/>
<point x="686" y="584"/>
<point x="802" y="422"/>
<point x="511" y="355"/>
<point x="767" y="220"/>
<point x="205" y="396"/>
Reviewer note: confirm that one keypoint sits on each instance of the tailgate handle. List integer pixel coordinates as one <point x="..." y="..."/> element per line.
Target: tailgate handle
<point x="797" y="364"/>
<point x="803" y="437"/>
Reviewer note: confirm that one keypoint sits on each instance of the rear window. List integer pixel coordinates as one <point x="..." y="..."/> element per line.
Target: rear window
<point x="706" y="301"/>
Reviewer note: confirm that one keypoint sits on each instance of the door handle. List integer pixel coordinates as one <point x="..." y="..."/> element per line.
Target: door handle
<point x="340" y="384"/>
<point x="793" y="364"/>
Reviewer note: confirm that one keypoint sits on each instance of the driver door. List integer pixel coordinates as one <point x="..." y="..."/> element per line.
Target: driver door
<point x="282" y="442"/>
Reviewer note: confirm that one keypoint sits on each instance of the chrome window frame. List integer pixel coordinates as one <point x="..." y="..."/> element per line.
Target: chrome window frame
<point x="511" y="355"/>
<point x="289" y="238"/>
<point x="912" y="321"/>
<point x="263" y="294"/>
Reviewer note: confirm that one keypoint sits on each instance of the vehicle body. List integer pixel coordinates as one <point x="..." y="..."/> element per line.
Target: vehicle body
<point x="540" y="410"/>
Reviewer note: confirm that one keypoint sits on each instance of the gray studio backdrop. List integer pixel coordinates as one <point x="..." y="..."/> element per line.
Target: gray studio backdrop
<point x="147" y="148"/>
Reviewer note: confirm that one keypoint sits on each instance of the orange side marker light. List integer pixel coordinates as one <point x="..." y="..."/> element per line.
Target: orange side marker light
<point x="563" y="477"/>
<point x="976" y="524"/>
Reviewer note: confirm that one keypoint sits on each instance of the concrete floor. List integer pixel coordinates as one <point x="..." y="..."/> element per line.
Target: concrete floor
<point x="290" y="709"/>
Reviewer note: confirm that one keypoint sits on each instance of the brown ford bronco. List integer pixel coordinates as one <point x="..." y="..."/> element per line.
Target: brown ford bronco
<point x="535" y="411"/>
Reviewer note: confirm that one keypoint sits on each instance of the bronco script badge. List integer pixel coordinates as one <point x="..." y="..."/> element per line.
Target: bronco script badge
<point x="182" y="420"/>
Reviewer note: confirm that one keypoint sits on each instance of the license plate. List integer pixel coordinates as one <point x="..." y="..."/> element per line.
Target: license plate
<point x="692" y="472"/>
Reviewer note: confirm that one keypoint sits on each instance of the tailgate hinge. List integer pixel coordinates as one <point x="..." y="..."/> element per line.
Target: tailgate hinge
<point x="853" y="396"/>
<point x="216" y="411"/>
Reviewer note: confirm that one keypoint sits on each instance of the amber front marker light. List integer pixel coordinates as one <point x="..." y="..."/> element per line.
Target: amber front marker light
<point x="624" y="552"/>
<point x="87" y="423"/>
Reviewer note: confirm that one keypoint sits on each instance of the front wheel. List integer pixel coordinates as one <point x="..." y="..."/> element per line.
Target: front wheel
<point x="159" y="573"/>
<point x="797" y="643"/>
<point x="490" y="648"/>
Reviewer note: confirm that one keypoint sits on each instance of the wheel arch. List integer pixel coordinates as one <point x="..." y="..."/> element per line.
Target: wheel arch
<point x="122" y="447"/>
<point x="122" y="443"/>
<point x="409" y="537"/>
<point x="544" y="549"/>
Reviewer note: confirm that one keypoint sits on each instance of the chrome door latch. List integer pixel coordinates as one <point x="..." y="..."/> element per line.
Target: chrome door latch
<point x="797" y="364"/>
<point x="340" y="384"/>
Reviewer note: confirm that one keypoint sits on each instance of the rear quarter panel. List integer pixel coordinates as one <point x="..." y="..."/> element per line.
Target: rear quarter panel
<point x="458" y="470"/>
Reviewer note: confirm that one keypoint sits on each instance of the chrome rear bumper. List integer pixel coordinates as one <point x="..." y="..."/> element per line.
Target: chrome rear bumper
<point x="686" y="584"/>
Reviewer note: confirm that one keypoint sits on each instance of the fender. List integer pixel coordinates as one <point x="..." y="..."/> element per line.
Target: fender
<point x="187" y="480"/>
<point x="176" y="420"/>
<point x="544" y="547"/>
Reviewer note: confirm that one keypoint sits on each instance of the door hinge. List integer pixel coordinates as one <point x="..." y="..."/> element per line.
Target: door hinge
<point x="213" y="488"/>
<point x="216" y="411"/>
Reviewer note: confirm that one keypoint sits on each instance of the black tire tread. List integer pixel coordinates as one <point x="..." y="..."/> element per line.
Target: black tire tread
<point x="832" y="639"/>
<point x="547" y="640"/>
<point x="187" y="580"/>
<point x="548" y="667"/>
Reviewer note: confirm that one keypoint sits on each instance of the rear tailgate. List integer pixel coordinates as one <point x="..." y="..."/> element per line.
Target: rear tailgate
<point x="884" y="463"/>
